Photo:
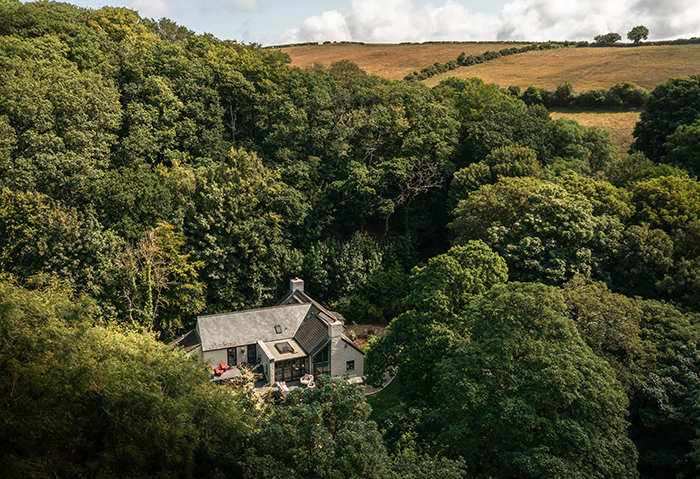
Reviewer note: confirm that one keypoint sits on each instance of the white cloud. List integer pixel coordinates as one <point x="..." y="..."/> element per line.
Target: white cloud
<point x="328" y="25"/>
<point x="528" y="20"/>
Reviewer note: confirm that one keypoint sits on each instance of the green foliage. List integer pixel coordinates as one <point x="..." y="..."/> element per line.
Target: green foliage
<point x="503" y="162"/>
<point x="637" y="34"/>
<point x="607" y="39"/>
<point x="419" y="338"/>
<point x="605" y="198"/>
<point x="525" y="397"/>
<point x="59" y="123"/>
<point x="556" y="237"/>
<point x="610" y="325"/>
<point x="160" y="283"/>
<point x="500" y="204"/>
<point x="662" y="413"/>
<point x="669" y="105"/>
<point x="236" y="230"/>
<point x="43" y="236"/>
<point x="683" y="147"/>
<point x="84" y="400"/>
<point x="667" y="202"/>
<point x="320" y="434"/>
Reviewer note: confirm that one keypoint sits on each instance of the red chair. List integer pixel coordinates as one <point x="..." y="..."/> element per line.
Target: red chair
<point x="217" y="371"/>
<point x="224" y="367"/>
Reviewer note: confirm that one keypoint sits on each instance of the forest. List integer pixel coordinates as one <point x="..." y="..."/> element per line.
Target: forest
<point x="541" y="292"/>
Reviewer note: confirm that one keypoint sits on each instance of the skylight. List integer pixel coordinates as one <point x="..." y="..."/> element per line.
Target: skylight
<point x="278" y="329"/>
<point x="284" y="347"/>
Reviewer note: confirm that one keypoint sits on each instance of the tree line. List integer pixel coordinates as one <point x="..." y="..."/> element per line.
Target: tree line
<point x="532" y="279"/>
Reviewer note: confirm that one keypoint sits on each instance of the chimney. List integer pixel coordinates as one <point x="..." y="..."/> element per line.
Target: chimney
<point x="296" y="284"/>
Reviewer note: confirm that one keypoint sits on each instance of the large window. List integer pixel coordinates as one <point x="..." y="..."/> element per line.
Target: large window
<point x="322" y="362"/>
<point x="290" y="370"/>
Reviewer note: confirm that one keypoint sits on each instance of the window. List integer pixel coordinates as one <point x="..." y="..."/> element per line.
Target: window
<point x="278" y="329"/>
<point x="322" y="362"/>
<point x="284" y="347"/>
<point x="350" y="365"/>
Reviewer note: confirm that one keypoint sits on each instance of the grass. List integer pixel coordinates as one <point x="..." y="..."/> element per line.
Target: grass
<point x="586" y="68"/>
<point x="384" y="400"/>
<point x="392" y="61"/>
<point x="620" y="124"/>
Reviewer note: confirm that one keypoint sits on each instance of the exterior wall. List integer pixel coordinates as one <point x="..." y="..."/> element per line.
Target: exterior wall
<point x="268" y="366"/>
<point x="215" y="357"/>
<point x="341" y="353"/>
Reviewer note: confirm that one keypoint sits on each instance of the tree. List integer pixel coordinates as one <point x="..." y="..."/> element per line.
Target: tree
<point x="525" y="397"/>
<point x="85" y="400"/>
<point x="500" y="204"/>
<point x="321" y="434"/>
<point x="669" y="105"/>
<point x="683" y="147"/>
<point x="160" y="282"/>
<point x="57" y="123"/>
<point x="607" y="39"/>
<point x="556" y="237"/>
<point x="419" y="338"/>
<point x="637" y="34"/>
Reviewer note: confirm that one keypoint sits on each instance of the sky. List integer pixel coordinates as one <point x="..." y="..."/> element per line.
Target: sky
<point x="277" y="22"/>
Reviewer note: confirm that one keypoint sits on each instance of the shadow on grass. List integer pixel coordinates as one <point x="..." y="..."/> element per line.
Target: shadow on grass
<point x="384" y="400"/>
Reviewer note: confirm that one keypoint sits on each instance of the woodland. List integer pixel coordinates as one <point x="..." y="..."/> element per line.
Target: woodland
<point x="542" y="293"/>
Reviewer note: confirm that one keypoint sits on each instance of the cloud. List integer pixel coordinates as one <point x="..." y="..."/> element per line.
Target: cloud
<point x="319" y="28"/>
<point x="395" y="21"/>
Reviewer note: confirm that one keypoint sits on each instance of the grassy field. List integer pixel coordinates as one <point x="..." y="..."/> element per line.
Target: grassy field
<point x="585" y="68"/>
<point x="619" y="124"/>
<point x="393" y="61"/>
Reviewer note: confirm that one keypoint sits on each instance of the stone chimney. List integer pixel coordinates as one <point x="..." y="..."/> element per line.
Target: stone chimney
<point x="296" y="284"/>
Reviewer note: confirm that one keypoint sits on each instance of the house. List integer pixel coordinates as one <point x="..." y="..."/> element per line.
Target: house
<point x="295" y="337"/>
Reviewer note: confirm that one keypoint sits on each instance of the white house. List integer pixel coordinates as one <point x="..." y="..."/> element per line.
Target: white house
<point x="295" y="337"/>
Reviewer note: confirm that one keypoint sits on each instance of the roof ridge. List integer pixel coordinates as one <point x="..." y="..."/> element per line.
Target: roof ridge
<point x="251" y="310"/>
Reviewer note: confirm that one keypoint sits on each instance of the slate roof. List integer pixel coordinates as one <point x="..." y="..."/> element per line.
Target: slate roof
<point x="312" y="331"/>
<point x="219" y="331"/>
<point x="188" y="341"/>
<point x="301" y="319"/>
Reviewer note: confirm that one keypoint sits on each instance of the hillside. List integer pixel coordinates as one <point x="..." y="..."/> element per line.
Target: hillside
<point x="585" y="68"/>
<point x="393" y="61"/>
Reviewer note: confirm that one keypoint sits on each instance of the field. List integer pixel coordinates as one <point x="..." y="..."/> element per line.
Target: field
<point x="585" y="68"/>
<point x="393" y="61"/>
<point x="620" y="124"/>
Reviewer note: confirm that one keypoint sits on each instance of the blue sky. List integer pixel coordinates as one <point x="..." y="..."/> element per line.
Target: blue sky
<point x="274" y="22"/>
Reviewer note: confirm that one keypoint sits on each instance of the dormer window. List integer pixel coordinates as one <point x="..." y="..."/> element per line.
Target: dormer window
<point x="278" y="329"/>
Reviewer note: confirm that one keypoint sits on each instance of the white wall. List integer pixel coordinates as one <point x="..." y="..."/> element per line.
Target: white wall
<point x="341" y="353"/>
<point x="215" y="357"/>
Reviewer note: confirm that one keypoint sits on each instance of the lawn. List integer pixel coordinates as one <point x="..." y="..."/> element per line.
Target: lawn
<point x="384" y="400"/>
